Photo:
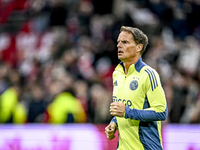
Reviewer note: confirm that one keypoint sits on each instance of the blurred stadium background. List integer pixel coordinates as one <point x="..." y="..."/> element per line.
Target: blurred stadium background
<point x="56" y="63"/>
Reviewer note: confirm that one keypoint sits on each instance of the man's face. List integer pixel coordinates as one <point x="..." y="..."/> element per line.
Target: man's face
<point x="127" y="47"/>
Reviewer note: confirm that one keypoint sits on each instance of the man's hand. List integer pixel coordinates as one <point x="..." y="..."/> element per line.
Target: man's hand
<point x="117" y="109"/>
<point x="110" y="130"/>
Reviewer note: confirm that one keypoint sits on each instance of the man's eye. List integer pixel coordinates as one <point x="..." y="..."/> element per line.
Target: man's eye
<point x="124" y="42"/>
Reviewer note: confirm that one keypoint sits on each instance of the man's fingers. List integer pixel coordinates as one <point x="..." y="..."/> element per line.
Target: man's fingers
<point x="117" y="109"/>
<point x="113" y="113"/>
<point x="108" y="127"/>
<point x="113" y="109"/>
<point x="110" y="134"/>
<point x="110" y="131"/>
<point x="111" y="137"/>
<point x="113" y="103"/>
<point x="115" y="106"/>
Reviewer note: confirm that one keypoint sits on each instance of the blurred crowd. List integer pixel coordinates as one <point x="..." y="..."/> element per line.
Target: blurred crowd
<point x="56" y="67"/>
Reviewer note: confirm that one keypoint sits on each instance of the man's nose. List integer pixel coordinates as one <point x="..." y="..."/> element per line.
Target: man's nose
<point x="119" y="44"/>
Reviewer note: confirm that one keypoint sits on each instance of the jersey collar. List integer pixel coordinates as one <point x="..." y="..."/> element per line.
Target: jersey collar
<point x="137" y="66"/>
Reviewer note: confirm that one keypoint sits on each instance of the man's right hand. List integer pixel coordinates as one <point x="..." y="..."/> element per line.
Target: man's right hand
<point x="110" y="130"/>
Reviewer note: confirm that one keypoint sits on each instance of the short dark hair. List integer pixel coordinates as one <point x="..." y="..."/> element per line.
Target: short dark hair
<point x="138" y="36"/>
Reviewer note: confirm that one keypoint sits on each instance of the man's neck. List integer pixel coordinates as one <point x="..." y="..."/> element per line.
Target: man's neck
<point x="127" y="64"/>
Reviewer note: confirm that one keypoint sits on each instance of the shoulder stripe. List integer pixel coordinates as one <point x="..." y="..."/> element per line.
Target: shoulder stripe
<point x="152" y="78"/>
<point x="155" y="78"/>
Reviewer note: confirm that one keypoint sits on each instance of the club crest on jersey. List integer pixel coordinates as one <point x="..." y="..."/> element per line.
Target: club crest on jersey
<point x="133" y="85"/>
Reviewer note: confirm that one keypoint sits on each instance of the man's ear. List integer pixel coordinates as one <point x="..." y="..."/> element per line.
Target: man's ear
<point x="139" y="47"/>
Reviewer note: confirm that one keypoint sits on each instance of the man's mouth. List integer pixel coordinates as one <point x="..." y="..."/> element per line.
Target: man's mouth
<point x="120" y="52"/>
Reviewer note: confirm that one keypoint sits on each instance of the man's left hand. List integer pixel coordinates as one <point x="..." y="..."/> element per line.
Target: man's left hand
<point x="117" y="109"/>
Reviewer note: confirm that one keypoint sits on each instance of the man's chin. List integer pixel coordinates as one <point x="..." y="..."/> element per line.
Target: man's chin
<point x="120" y="58"/>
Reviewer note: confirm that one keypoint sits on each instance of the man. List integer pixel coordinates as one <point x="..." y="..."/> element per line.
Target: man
<point x="11" y="110"/>
<point x="139" y="103"/>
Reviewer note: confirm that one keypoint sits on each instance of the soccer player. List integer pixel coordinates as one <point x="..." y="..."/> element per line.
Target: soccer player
<point x="139" y="103"/>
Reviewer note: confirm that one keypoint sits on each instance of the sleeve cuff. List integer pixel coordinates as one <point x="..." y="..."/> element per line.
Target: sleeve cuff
<point x="127" y="112"/>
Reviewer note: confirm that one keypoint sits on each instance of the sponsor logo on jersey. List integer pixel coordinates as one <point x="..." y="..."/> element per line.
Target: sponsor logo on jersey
<point x="126" y="102"/>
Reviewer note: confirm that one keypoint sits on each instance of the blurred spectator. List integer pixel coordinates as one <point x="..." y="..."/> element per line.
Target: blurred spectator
<point x="189" y="54"/>
<point x="80" y="88"/>
<point x="191" y="113"/>
<point x="3" y="74"/>
<point x="37" y="105"/>
<point x="179" y="97"/>
<point x="100" y="4"/>
<point x="12" y="111"/>
<point x="99" y="104"/>
<point x="65" y="108"/>
<point x="58" y="14"/>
